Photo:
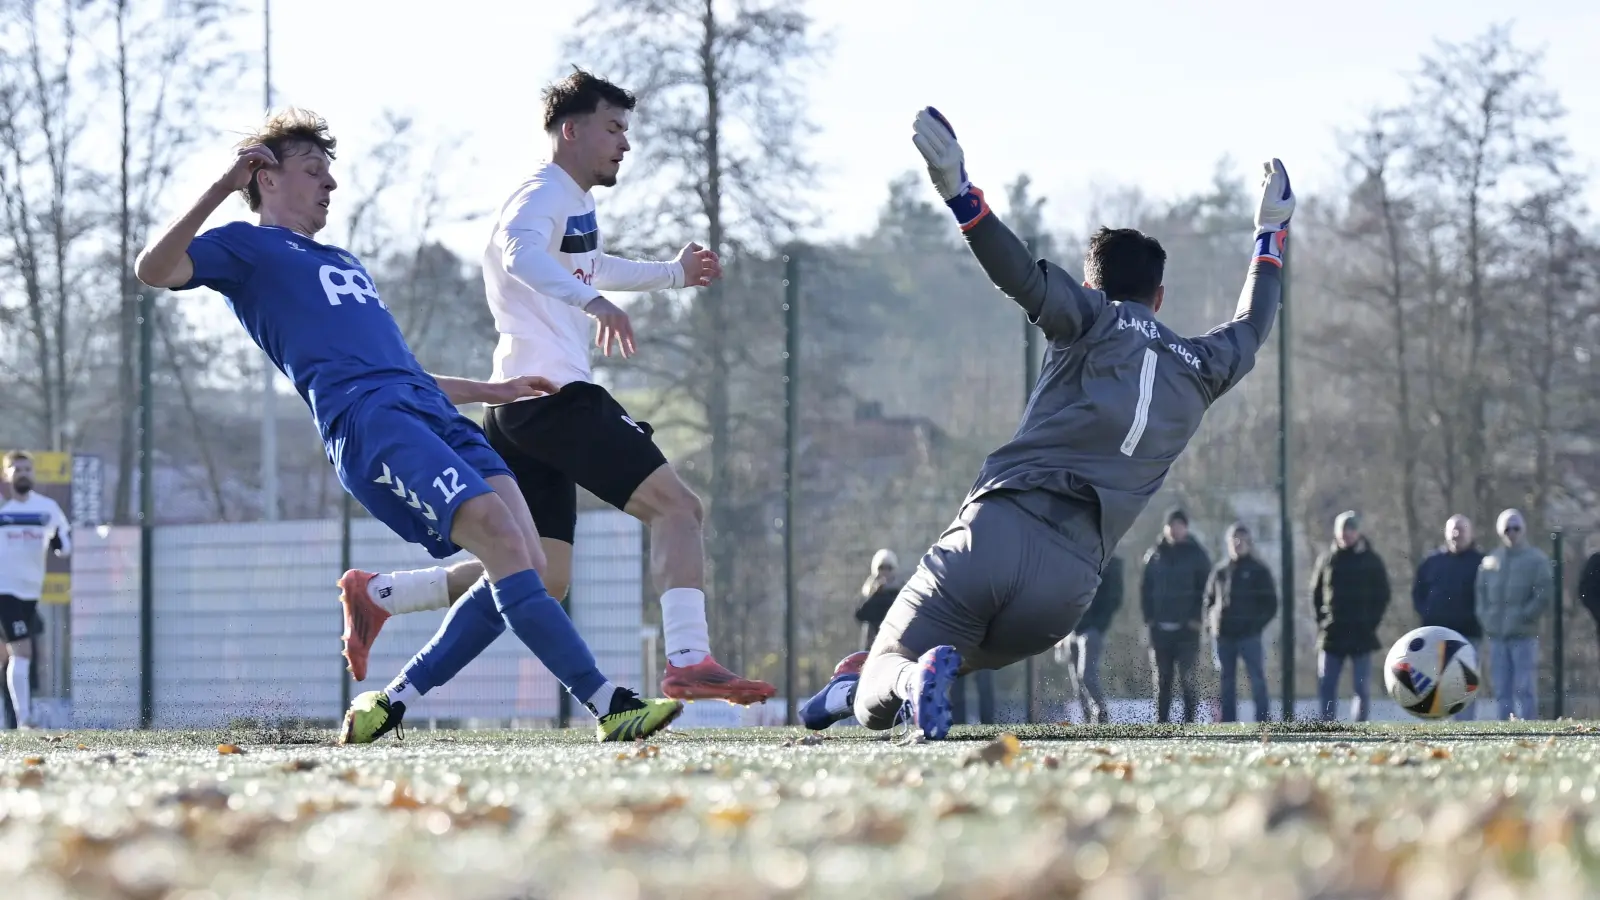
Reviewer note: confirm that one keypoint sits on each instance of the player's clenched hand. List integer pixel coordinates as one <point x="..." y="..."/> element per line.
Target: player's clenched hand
<point x="510" y="389"/>
<point x="614" y="326"/>
<point x="245" y="163"/>
<point x="700" y="266"/>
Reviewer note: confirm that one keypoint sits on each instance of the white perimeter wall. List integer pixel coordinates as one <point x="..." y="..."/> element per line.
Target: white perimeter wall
<point x="247" y="624"/>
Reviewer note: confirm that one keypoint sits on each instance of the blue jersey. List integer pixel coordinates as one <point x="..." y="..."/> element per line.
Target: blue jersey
<point x="313" y="309"/>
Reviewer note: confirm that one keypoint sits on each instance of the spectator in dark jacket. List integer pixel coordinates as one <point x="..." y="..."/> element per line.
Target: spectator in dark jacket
<point x="1082" y="649"/>
<point x="1445" y="589"/>
<point x="877" y="595"/>
<point x="1589" y="581"/>
<point x="1172" y="597"/>
<point x="1241" y="599"/>
<point x="1349" y="594"/>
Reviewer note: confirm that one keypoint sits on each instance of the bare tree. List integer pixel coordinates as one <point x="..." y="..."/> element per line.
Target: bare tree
<point x="1481" y="120"/>
<point x="165" y="71"/>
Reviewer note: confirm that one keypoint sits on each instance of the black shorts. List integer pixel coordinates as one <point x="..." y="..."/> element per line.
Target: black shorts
<point x="580" y="435"/>
<point x="17" y="617"/>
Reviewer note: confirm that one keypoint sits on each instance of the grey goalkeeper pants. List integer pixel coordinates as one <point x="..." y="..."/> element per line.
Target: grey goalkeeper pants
<point x="1007" y="580"/>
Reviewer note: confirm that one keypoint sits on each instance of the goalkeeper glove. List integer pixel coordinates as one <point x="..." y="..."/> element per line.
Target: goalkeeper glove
<point x="1272" y="215"/>
<point x="936" y="140"/>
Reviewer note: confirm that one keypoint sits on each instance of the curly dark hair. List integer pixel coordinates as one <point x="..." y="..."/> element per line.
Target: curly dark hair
<point x="283" y="131"/>
<point x="580" y="94"/>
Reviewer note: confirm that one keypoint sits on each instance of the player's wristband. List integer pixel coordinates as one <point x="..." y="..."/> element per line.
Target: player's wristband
<point x="969" y="207"/>
<point x="1270" y="244"/>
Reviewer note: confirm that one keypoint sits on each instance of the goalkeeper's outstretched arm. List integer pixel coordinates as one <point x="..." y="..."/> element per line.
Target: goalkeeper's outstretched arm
<point x="1230" y="349"/>
<point x="1052" y="298"/>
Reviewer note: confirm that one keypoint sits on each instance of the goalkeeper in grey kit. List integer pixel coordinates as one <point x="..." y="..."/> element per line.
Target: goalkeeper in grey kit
<point x="1118" y="399"/>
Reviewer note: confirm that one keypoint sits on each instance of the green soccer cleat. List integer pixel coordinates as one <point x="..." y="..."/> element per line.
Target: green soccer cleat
<point x="371" y="716"/>
<point x="632" y="719"/>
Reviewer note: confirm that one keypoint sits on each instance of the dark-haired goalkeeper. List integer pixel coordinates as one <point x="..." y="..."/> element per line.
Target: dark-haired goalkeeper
<point x="1118" y="398"/>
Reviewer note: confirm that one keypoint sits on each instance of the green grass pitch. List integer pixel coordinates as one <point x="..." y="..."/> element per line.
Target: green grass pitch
<point x="1417" y="812"/>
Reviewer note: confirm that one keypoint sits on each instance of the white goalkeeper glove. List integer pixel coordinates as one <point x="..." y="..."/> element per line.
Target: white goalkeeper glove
<point x="1273" y="213"/>
<point x="935" y="139"/>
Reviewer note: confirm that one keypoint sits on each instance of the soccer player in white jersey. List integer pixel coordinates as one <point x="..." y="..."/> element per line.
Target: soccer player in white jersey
<point x="545" y="269"/>
<point x="29" y="521"/>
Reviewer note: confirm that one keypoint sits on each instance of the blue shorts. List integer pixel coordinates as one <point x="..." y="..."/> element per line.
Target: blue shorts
<point x="411" y="458"/>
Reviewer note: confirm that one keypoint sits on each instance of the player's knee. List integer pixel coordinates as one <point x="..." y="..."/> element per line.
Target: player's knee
<point x="20" y="649"/>
<point x="485" y="527"/>
<point x="664" y="496"/>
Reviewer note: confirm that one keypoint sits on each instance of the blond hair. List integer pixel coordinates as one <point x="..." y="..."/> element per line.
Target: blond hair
<point x="279" y="133"/>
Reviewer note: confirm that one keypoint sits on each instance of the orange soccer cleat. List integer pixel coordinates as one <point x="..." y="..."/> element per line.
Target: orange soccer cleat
<point x="708" y="680"/>
<point x="363" y="619"/>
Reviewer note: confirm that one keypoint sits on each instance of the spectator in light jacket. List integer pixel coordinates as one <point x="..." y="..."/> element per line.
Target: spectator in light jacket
<point x="1241" y="599"/>
<point x="1513" y="589"/>
<point x="1445" y="590"/>
<point x="1349" y="594"/>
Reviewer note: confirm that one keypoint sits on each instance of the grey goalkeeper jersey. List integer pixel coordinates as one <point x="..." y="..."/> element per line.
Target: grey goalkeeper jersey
<point x="1119" y="394"/>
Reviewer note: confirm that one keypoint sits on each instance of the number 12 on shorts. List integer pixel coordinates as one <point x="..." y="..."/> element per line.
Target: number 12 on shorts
<point x="1141" y="410"/>
<point x="451" y="487"/>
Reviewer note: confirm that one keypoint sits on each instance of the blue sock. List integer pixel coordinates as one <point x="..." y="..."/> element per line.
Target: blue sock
<point x="539" y="621"/>
<point x="468" y="629"/>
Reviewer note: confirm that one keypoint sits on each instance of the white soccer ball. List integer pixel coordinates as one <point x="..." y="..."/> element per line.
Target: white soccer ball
<point x="1432" y="672"/>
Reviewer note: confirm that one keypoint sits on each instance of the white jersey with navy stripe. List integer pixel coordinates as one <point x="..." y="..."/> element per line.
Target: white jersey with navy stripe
<point x="544" y="263"/>
<point x="26" y="527"/>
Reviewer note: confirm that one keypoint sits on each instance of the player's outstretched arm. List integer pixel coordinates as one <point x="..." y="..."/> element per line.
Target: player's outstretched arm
<point x="463" y="391"/>
<point x="165" y="261"/>
<point x="1230" y="349"/>
<point x="1053" y="299"/>
<point x="694" y="266"/>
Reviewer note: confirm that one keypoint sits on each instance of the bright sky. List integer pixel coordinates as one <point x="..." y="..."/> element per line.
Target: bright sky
<point x="1150" y="93"/>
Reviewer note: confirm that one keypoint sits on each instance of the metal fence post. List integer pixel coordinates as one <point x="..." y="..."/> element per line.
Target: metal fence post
<point x="1559" y="637"/>
<point x="147" y="512"/>
<point x="345" y="564"/>
<point x="791" y="487"/>
<point x="1030" y="377"/>
<point x="1285" y="524"/>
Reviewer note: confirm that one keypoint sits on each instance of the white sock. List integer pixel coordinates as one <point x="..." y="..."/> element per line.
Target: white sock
<point x="599" y="702"/>
<point x="17" y="681"/>
<point x="905" y="682"/>
<point x="841" y="697"/>
<point x="401" y="691"/>
<point x="683" y="624"/>
<point x="413" y="590"/>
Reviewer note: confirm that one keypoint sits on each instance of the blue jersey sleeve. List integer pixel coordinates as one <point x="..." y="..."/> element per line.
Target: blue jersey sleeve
<point x="222" y="260"/>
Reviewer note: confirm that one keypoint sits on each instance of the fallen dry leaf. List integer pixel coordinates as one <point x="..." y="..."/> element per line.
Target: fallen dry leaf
<point x="810" y="740"/>
<point x="652" y="808"/>
<point x="227" y="749"/>
<point x="1439" y="753"/>
<point x="30" y="778"/>
<point x="1120" y="768"/>
<point x="299" y="765"/>
<point x="730" y="816"/>
<point x="397" y="795"/>
<point x="1050" y="762"/>
<point x="950" y="807"/>
<point x="1002" y="750"/>
<point x="33" y="760"/>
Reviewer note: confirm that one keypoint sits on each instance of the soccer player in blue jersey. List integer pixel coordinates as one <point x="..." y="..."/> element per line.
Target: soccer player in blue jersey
<point x="391" y="430"/>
